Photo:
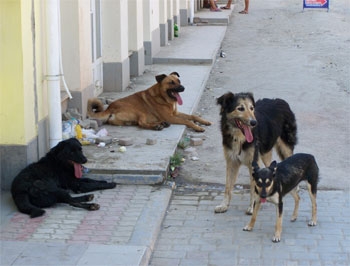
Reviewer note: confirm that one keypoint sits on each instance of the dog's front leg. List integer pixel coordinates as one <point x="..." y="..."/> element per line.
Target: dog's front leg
<point x="232" y="168"/>
<point x="194" y="118"/>
<point x="184" y="119"/>
<point x="278" y="227"/>
<point x="257" y="204"/>
<point x="250" y="209"/>
<point x="81" y="186"/>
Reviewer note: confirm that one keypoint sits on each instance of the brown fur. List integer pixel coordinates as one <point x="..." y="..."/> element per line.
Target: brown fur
<point x="154" y="108"/>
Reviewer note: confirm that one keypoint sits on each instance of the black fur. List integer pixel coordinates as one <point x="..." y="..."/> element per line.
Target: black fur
<point x="45" y="183"/>
<point x="287" y="174"/>
<point x="274" y="119"/>
<point x="274" y="182"/>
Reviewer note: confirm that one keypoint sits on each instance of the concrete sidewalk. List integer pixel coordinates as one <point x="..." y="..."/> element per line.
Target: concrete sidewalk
<point x="192" y="56"/>
<point x="124" y="230"/>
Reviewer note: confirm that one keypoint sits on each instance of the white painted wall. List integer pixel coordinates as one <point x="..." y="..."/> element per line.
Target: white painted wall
<point x="114" y="18"/>
<point x="135" y="19"/>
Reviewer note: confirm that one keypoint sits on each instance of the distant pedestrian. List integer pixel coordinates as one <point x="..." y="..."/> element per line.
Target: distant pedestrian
<point x="228" y="5"/>
<point x="214" y="6"/>
<point x="246" y="7"/>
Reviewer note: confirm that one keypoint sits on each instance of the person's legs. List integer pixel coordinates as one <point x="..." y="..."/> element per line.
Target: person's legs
<point x="228" y="5"/>
<point x="246" y="7"/>
<point x="213" y="6"/>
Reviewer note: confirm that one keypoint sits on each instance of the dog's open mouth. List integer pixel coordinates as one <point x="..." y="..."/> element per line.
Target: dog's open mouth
<point x="262" y="200"/>
<point x="246" y="130"/>
<point x="78" y="169"/>
<point x="174" y="94"/>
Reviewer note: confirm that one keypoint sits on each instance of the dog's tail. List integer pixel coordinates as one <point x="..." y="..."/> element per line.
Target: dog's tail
<point x="289" y="131"/>
<point x="96" y="110"/>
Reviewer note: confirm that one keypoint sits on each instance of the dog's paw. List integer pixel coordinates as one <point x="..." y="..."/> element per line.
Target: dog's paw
<point x="159" y="127"/>
<point x="249" y="211"/>
<point x="165" y="124"/>
<point x="221" y="209"/>
<point x="89" y="197"/>
<point x="207" y="123"/>
<point x="248" y="228"/>
<point x="94" y="207"/>
<point x="312" y="223"/>
<point x="199" y="129"/>
<point x="276" y="238"/>
<point x="293" y="219"/>
<point x="112" y="185"/>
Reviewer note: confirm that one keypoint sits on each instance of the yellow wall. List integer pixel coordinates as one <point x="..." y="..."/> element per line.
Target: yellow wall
<point x="17" y="77"/>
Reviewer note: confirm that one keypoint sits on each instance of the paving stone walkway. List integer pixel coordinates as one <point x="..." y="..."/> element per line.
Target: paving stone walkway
<point x="192" y="234"/>
<point x="122" y="232"/>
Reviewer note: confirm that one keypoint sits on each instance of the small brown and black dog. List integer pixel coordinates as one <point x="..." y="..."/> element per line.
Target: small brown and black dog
<point x="274" y="182"/>
<point x="154" y="108"/>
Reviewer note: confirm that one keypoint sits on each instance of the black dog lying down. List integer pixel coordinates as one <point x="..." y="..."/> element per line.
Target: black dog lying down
<point x="45" y="183"/>
<point x="274" y="182"/>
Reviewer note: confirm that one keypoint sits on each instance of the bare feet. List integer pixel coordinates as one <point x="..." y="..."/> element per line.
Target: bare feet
<point x="243" y="12"/>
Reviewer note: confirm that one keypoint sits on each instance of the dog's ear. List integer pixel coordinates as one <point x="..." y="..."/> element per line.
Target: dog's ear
<point x="59" y="146"/>
<point x="273" y="167"/>
<point x="251" y="97"/>
<point x="57" y="150"/>
<point x="75" y="141"/>
<point x="175" y="73"/>
<point x="225" y="99"/>
<point x="160" y="78"/>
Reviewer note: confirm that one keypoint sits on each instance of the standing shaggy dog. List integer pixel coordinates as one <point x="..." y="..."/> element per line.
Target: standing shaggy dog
<point x="45" y="183"/>
<point x="270" y="121"/>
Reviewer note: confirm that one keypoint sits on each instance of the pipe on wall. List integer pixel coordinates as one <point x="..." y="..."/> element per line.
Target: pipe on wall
<point x="53" y="72"/>
<point x="191" y="11"/>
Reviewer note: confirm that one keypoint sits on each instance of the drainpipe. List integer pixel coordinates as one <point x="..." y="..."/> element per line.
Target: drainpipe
<point x="191" y="11"/>
<point x="53" y="72"/>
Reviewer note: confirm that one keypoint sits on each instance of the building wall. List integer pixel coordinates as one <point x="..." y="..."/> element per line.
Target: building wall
<point x="132" y="33"/>
<point x="77" y="52"/>
<point x="135" y="41"/>
<point x="22" y="89"/>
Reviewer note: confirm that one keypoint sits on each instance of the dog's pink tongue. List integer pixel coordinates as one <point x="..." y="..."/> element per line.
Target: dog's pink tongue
<point x="248" y="134"/>
<point x="178" y="98"/>
<point x="262" y="200"/>
<point x="78" y="172"/>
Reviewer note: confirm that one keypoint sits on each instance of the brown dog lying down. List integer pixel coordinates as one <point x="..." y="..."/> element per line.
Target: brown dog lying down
<point x="154" y="108"/>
